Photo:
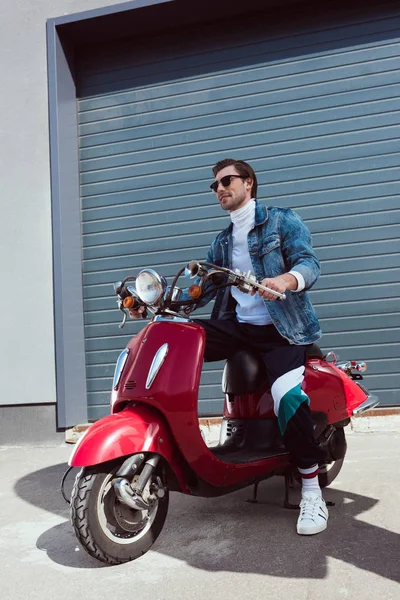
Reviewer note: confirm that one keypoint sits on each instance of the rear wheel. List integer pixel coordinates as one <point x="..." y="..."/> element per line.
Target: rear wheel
<point x="329" y="471"/>
<point x="108" y="529"/>
<point x="337" y="451"/>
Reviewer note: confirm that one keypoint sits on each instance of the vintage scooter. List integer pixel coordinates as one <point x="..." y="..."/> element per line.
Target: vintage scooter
<point x="152" y="444"/>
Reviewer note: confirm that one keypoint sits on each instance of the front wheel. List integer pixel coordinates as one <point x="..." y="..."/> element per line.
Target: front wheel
<point x="108" y="529"/>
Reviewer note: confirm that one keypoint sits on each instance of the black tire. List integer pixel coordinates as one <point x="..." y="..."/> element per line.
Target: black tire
<point x="330" y="470"/>
<point x="96" y="515"/>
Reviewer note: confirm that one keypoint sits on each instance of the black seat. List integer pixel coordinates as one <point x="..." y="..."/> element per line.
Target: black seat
<point x="314" y="351"/>
<point x="246" y="373"/>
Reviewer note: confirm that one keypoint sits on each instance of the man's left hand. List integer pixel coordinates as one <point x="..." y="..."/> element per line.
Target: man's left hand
<point x="280" y="284"/>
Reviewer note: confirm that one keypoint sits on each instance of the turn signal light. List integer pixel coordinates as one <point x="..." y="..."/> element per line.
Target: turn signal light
<point x="194" y="291"/>
<point x="129" y="302"/>
<point x="360" y="367"/>
<point x="353" y="365"/>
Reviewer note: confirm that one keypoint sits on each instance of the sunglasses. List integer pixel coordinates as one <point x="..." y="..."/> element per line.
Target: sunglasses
<point x="226" y="181"/>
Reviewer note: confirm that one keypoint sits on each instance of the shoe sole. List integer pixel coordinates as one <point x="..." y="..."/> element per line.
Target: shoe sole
<point x="312" y="531"/>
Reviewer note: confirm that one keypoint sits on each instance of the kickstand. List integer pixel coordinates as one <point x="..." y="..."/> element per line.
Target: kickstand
<point x="254" y="500"/>
<point x="289" y="484"/>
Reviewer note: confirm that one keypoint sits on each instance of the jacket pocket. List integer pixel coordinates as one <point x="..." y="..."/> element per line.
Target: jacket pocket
<point x="270" y="244"/>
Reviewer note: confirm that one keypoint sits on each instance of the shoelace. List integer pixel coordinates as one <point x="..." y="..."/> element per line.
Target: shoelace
<point x="309" y="508"/>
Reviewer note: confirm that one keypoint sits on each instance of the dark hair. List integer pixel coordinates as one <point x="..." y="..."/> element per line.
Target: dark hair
<point x="243" y="168"/>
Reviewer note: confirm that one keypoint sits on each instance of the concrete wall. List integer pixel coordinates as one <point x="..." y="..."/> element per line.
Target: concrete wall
<point x="27" y="361"/>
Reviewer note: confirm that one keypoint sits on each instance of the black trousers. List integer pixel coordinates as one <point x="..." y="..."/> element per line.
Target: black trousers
<point x="285" y="364"/>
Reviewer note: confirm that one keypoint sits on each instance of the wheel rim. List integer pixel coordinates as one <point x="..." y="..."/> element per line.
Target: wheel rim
<point x="120" y="523"/>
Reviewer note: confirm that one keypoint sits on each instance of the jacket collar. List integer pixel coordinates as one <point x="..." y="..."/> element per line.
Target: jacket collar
<point x="261" y="214"/>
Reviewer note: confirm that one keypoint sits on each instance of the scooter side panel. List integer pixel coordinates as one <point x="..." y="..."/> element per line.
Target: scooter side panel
<point x="135" y="429"/>
<point x="331" y="391"/>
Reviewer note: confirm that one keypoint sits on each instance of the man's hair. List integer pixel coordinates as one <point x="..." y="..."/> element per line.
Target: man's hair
<point x="243" y="168"/>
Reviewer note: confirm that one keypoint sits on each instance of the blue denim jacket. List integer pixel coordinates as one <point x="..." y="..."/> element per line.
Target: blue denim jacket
<point x="279" y="242"/>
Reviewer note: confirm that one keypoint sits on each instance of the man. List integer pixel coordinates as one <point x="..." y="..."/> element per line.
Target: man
<point x="275" y="244"/>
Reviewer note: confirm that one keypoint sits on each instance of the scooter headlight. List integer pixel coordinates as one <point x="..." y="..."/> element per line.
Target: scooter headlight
<point x="150" y="287"/>
<point x="119" y="367"/>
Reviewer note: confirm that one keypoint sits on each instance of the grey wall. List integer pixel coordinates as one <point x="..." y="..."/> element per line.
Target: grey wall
<point x="26" y="317"/>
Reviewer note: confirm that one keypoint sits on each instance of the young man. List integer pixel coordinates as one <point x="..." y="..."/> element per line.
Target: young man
<point x="275" y="245"/>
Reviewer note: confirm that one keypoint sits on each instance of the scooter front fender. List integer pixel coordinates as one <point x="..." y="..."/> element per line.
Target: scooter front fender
<point x="137" y="428"/>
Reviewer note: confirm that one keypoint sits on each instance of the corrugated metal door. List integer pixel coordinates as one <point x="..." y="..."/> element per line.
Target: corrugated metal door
<point x="313" y="107"/>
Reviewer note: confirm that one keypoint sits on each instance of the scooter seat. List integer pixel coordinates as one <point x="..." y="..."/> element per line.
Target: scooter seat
<point x="314" y="351"/>
<point x="244" y="373"/>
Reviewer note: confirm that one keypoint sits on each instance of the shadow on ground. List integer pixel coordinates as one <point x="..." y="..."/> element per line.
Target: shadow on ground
<point x="228" y="534"/>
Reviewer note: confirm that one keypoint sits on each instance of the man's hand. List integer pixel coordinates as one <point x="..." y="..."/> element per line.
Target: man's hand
<point x="280" y="284"/>
<point x="137" y="313"/>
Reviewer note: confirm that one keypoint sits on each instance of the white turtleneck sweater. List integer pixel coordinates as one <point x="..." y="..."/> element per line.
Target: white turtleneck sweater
<point x="249" y="309"/>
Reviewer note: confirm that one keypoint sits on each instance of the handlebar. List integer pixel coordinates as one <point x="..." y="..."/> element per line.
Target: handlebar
<point x="210" y="277"/>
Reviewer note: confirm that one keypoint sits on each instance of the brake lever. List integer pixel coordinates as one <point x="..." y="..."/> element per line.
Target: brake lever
<point x="122" y="309"/>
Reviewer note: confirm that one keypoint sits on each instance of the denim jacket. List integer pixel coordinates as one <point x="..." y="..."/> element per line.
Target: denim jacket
<point x="278" y="243"/>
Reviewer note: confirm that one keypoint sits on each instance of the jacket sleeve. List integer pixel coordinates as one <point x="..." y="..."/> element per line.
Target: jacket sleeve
<point x="297" y="249"/>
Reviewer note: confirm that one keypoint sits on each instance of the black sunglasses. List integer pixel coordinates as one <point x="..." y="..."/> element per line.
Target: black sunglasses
<point x="226" y="181"/>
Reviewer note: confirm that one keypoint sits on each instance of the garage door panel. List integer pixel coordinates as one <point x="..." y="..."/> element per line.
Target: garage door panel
<point x="358" y="235"/>
<point x="334" y="106"/>
<point x="371" y="278"/>
<point x="101" y="371"/>
<point x="357" y="292"/>
<point x="160" y="198"/>
<point x="360" y="323"/>
<point x="358" y="221"/>
<point x="158" y="181"/>
<point x="363" y="338"/>
<point x="118" y="217"/>
<point x="356" y="307"/>
<point x="360" y="352"/>
<point x="145" y="232"/>
<point x="360" y="264"/>
<point x="352" y="208"/>
<point x="151" y="219"/>
<point x="172" y="242"/>
<point x="94" y="122"/>
<point x="122" y="264"/>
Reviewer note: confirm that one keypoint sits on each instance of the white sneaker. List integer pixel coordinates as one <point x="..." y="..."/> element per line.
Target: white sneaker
<point x="313" y="514"/>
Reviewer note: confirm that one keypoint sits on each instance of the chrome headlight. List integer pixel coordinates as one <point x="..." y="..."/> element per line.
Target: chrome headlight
<point x="150" y="287"/>
<point x="119" y="367"/>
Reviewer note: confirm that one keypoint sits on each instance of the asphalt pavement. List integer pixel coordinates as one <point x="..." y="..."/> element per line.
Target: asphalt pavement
<point x="210" y="548"/>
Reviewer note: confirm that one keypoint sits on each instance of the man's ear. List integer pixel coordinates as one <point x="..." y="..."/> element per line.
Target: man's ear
<point x="249" y="183"/>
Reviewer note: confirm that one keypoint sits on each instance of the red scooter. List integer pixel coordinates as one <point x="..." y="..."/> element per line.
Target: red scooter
<point x="152" y="444"/>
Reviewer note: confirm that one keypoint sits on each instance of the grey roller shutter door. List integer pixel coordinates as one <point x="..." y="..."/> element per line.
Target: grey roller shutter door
<point x="313" y="107"/>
